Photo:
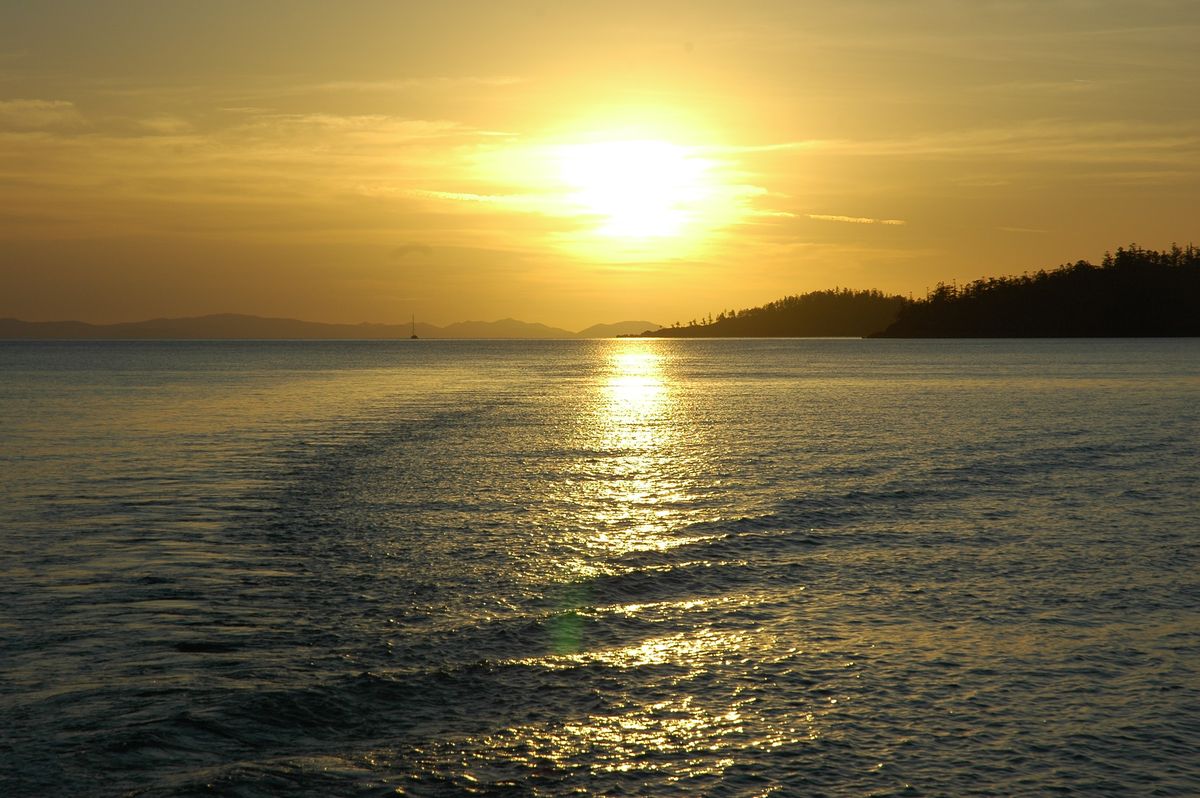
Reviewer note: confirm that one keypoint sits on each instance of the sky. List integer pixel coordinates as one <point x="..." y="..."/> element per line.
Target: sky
<point x="576" y="162"/>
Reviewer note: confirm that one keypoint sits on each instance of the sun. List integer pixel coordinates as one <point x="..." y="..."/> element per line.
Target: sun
<point x="637" y="194"/>
<point x="637" y="189"/>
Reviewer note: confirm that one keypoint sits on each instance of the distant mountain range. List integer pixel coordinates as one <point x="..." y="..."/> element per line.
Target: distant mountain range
<point x="236" y="326"/>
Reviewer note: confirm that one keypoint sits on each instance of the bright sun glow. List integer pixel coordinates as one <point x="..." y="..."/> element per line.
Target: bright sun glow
<point x="637" y="189"/>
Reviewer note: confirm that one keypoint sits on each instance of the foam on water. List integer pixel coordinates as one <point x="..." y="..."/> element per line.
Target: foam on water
<point x="627" y="567"/>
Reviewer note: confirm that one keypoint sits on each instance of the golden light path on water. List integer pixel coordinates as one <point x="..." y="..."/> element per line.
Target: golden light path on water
<point x="637" y="495"/>
<point x="637" y="422"/>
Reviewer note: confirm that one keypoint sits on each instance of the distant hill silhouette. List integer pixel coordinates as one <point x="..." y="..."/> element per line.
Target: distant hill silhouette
<point x="1134" y="292"/>
<point x="236" y="326"/>
<point x="837" y="313"/>
<point x="613" y="330"/>
<point x="216" y="326"/>
<point x="504" y="328"/>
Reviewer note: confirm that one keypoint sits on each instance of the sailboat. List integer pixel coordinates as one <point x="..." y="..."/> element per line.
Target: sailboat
<point x="413" y="337"/>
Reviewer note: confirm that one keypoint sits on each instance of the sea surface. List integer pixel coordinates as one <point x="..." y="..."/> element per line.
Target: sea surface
<point x="620" y="567"/>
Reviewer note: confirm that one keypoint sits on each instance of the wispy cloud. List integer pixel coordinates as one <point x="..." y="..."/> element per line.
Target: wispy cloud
<point x="1052" y="87"/>
<point x="165" y="125"/>
<point x="1041" y="140"/>
<point x="825" y="217"/>
<point x="396" y="127"/>
<point x="39" y="115"/>
<point x="546" y="204"/>
<point x="457" y="196"/>
<point x="410" y="84"/>
<point x="411" y="248"/>
<point x="779" y="146"/>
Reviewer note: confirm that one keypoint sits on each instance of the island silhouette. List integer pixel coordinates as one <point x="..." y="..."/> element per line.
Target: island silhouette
<point x="1133" y="292"/>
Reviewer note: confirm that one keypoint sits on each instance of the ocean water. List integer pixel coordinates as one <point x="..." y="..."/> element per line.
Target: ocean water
<point x="627" y="567"/>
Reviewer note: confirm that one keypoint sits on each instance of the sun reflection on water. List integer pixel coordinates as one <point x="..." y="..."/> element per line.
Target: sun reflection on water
<point x="697" y="650"/>
<point x="633" y="425"/>
<point x="644" y="656"/>
<point x="636" y="498"/>
<point x="635" y="383"/>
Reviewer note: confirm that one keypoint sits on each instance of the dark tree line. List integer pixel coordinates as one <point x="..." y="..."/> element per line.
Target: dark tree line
<point x="1133" y="292"/>
<point x="840" y="312"/>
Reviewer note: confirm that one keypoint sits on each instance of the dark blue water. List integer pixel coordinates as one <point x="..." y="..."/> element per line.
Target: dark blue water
<point x="739" y="568"/>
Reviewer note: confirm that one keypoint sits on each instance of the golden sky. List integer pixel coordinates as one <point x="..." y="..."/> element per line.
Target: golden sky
<point x="576" y="162"/>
